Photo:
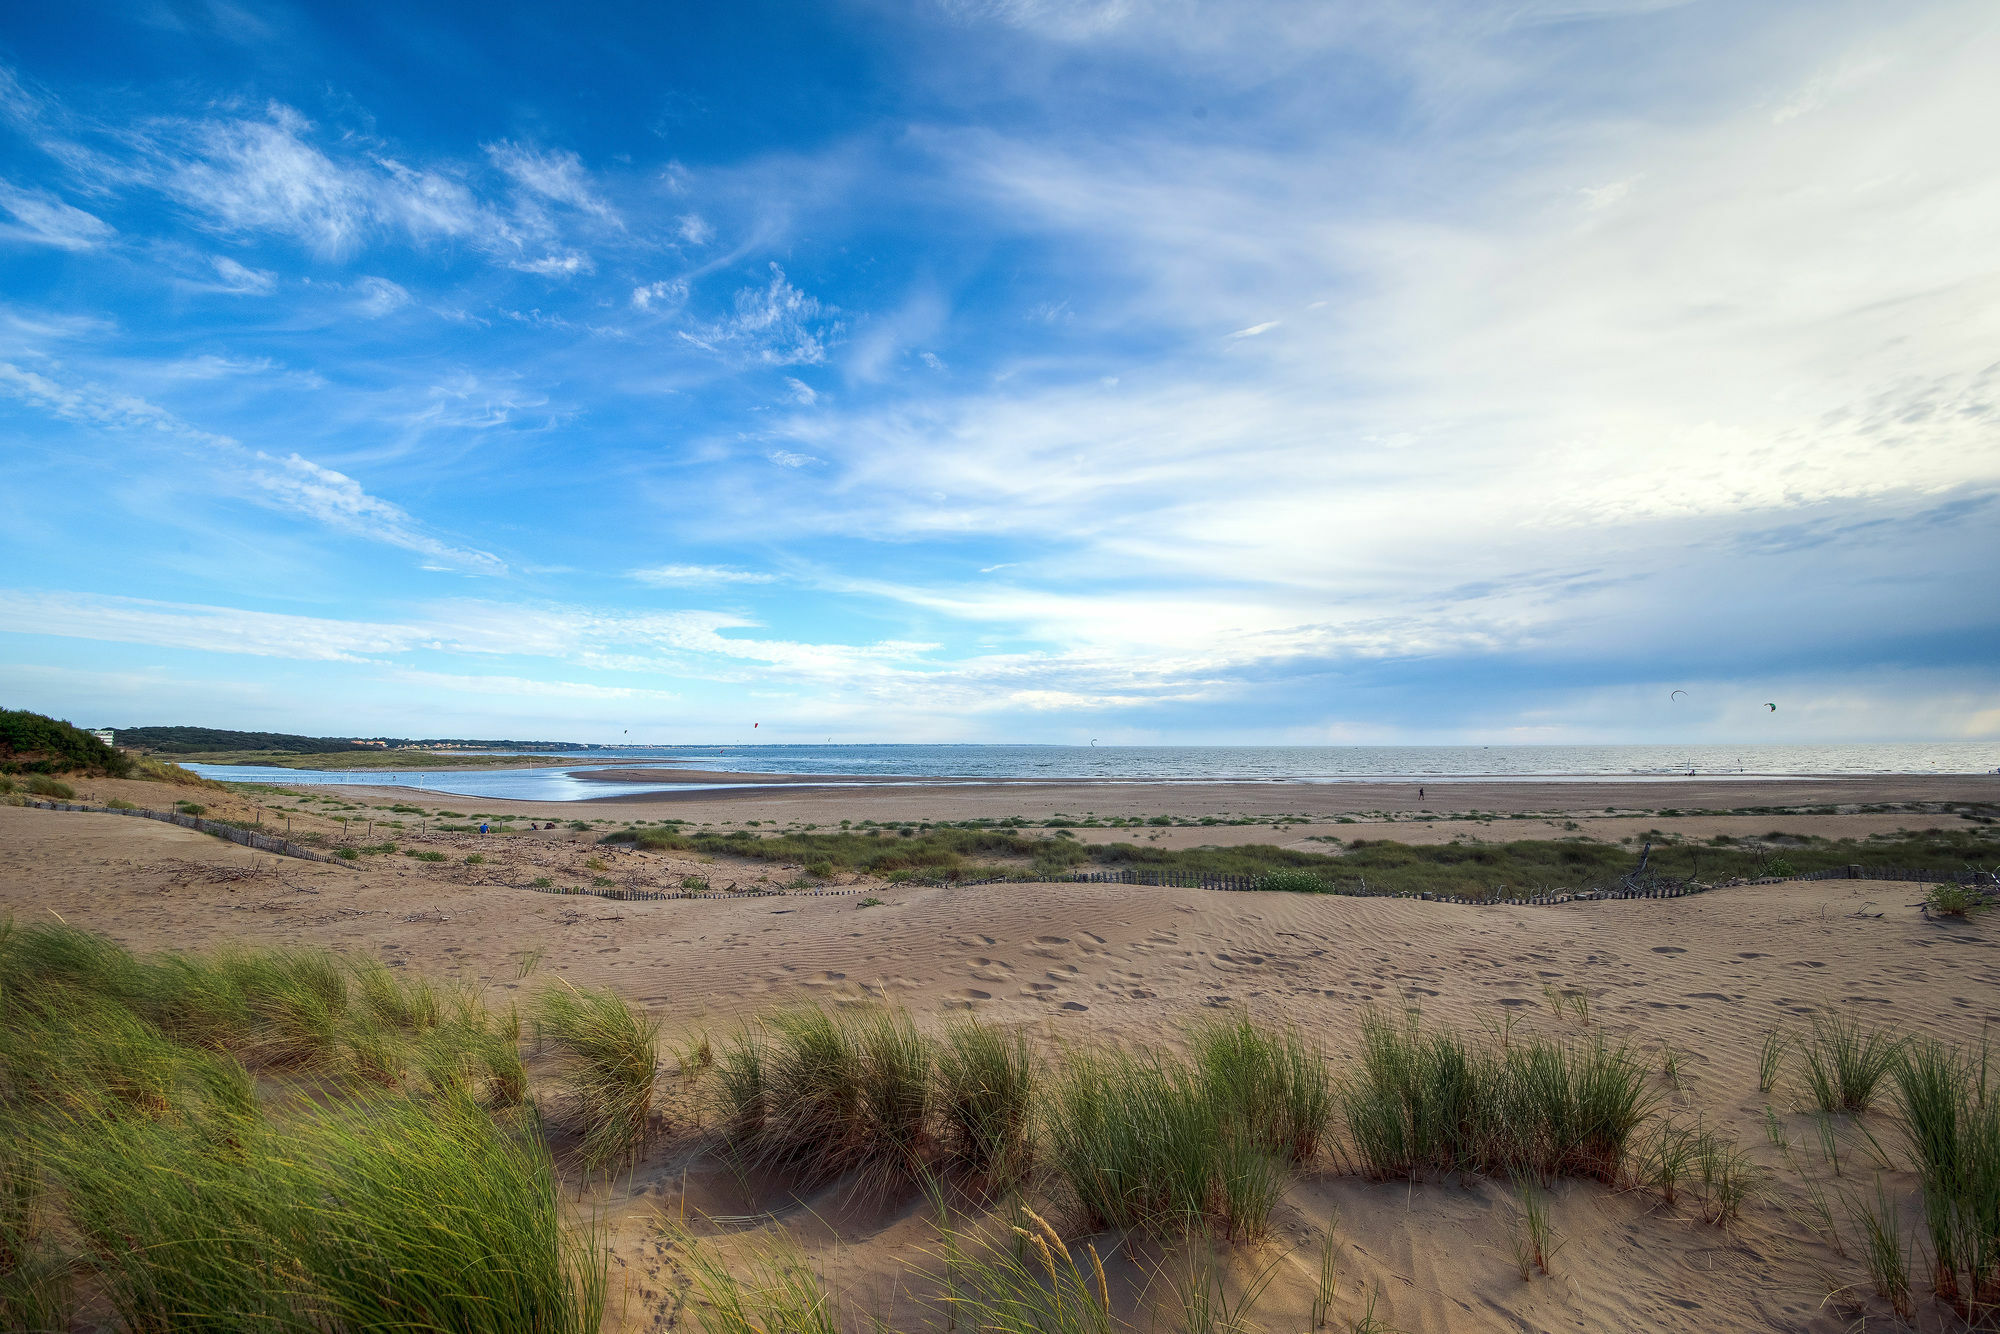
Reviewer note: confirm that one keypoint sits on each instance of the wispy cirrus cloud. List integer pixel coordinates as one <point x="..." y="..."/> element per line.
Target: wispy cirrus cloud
<point x="40" y="218"/>
<point x="775" y="324"/>
<point x="697" y="576"/>
<point x="291" y="483"/>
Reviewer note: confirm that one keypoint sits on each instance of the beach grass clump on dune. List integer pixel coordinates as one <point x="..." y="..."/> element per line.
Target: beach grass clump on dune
<point x="1951" y="1119"/>
<point x="37" y="1285"/>
<point x="611" y="1055"/>
<point x="1844" y="1065"/>
<point x="1135" y="1138"/>
<point x="772" y="1290"/>
<point x="141" y="1173"/>
<point x="1148" y="1140"/>
<point x="1035" y="1284"/>
<point x="987" y="1082"/>
<point x="1955" y="900"/>
<point x="1429" y="1100"/>
<point x="394" y="1214"/>
<point x="1271" y="1081"/>
<point x="819" y="1093"/>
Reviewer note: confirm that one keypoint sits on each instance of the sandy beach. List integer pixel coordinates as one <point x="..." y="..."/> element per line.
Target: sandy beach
<point x="1703" y="978"/>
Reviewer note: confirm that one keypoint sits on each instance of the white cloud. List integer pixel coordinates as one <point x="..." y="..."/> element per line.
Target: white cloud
<point x="556" y="176"/>
<point x="785" y="458"/>
<point x="694" y="576"/>
<point x="695" y="229"/>
<point x="668" y="294"/>
<point x="42" y="219"/>
<point x="933" y="360"/>
<point x="1256" y="329"/>
<point x="213" y="629"/>
<point x="263" y="175"/>
<point x="802" y="393"/>
<point x="242" y="280"/>
<point x="380" y="297"/>
<point x="776" y="324"/>
<point x="556" y="266"/>
<point x="337" y="500"/>
<point x="1515" y="376"/>
<point x="294" y="483"/>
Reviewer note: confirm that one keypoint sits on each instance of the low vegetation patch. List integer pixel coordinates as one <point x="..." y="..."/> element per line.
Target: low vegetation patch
<point x="1464" y="869"/>
<point x="1955" y="901"/>
<point x="1843" y="1064"/>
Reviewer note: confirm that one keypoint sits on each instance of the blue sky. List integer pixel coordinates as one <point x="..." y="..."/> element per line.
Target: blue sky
<point x="1152" y="371"/>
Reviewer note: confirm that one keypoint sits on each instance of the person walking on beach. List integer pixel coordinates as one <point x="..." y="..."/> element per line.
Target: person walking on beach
<point x="1420" y="794"/>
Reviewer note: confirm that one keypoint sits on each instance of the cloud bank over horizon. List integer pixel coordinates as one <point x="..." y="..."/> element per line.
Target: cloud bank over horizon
<point x="1273" y="372"/>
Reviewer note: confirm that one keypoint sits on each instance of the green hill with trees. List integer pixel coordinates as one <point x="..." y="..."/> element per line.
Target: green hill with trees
<point x="34" y="743"/>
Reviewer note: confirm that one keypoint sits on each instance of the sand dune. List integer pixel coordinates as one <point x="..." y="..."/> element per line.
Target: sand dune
<point x="1707" y="976"/>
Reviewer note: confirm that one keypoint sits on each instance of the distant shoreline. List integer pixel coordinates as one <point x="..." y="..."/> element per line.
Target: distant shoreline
<point x="368" y="759"/>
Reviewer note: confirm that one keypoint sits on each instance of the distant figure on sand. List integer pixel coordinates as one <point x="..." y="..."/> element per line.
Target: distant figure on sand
<point x="1420" y="794"/>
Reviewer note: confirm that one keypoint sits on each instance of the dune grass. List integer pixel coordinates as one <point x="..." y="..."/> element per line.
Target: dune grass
<point x="370" y="1215"/>
<point x="1148" y="1140"/>
<point x="778" y="1291"/>
<point x="987" y="1083"/>
<point x="1843" y="1066"/>
<point x="1272" y="1082"/>
<point x="611" y="1055"/>
<point x="1951" y="1120"/>
<point x="819" y="1093"/>
<point x="1034" y="1285"/>
<point x="1955" y="901"/>
<point x="1428" y="1100"/>
<point x="143" y="1172"/>
<point x="1473" y="870"/>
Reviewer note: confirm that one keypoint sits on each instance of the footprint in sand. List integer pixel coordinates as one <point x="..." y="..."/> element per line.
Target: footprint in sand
<point x="1052" y="940"/>
<point x="825" y="979"/>
<point x="974" y="994"/>
<point x="1073" y="1005"/>
<point x="1039" y="988"/>
<point x="1668" y="949"/>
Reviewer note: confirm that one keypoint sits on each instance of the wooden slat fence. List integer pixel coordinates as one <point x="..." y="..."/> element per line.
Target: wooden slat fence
<point x="249" y="838"/>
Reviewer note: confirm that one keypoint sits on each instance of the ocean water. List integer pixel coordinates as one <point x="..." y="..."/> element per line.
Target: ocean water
<point x="1310" y="764"/>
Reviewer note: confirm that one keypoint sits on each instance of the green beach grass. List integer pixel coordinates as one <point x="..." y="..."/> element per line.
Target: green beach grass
<point x="291" y="1139"/>
<point x="1462" y="869"/>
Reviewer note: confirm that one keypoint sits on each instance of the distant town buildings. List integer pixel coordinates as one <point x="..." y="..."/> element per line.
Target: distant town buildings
<point x="383" y="744"/>
<point x="103" y="734"/>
